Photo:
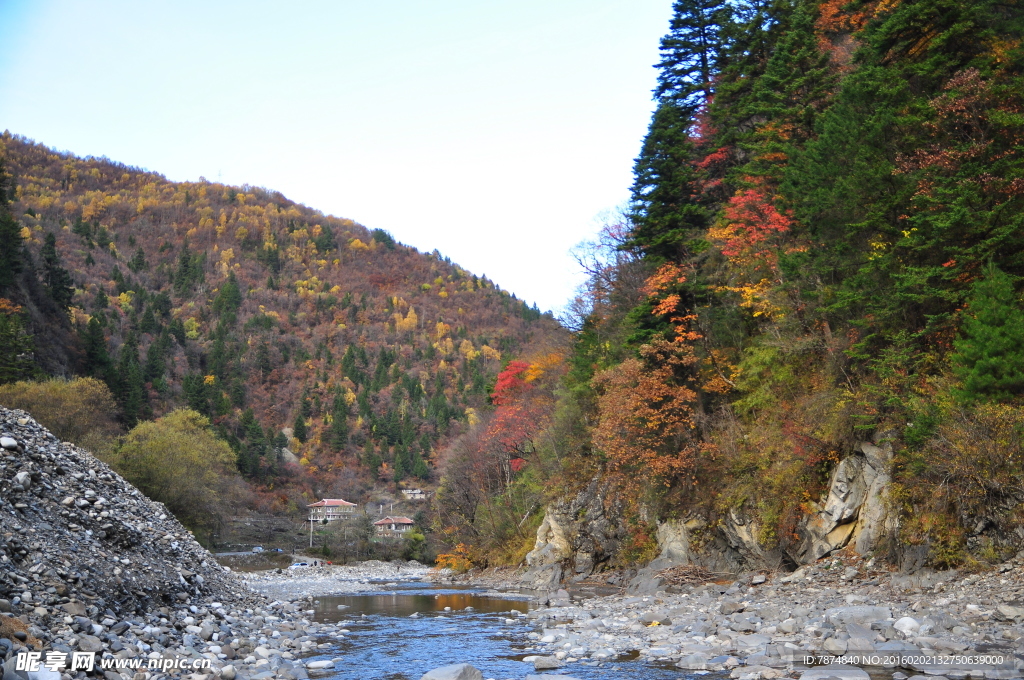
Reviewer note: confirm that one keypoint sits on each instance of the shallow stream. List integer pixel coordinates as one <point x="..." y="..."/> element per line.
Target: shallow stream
<point x="386" y="642"/>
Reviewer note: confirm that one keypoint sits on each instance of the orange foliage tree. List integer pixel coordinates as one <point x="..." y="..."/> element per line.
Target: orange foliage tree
<point x="646" y="416"/>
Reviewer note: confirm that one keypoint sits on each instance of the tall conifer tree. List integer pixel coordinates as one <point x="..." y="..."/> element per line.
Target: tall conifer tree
<point x="989" y="358"/>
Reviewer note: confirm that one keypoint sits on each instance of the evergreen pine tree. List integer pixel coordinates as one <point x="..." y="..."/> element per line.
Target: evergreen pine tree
<point x="401" y="463"/>
<point x="689" y="53"/>
<point x="16" y="346"/>
<point x="101" y="301"/>
<point x="11" y="263"/>
<point x="338" y="434"/>
<point x="419" y="467"/>
<point x="989" y="358"/>
<point x="370" y="457"/>
<point x="299" y="428"/>
<point x="665" y="206"/>
<point x="129" y="388"/>
<point x="138" y="261"/>
<point x="228" y="300"/>
<point x="148" y="324"/>
<point x="57" y="278"/>
<point x="97" y="360"/>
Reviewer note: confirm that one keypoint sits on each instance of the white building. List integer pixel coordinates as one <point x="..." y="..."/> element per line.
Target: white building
<point x="330" y="509"/>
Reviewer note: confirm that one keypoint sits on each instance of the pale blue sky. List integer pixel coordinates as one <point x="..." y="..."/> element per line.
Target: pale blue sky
<point x="494" y="131"/>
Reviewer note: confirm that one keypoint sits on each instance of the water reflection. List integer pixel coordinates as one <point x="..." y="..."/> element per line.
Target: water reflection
<point x="385" y="641"/>
<point x="414" y="600"/>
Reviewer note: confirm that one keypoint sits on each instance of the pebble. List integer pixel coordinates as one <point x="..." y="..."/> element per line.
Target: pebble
<point x="91" y="564"/>
<point x="771" y="631"/>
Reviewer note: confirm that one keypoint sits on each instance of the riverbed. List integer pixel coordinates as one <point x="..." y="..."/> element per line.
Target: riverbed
<point x="409" y="628"/>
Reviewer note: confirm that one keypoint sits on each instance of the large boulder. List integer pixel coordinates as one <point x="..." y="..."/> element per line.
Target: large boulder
<point x="458" y="671"/>
<point x="546" y="577"/>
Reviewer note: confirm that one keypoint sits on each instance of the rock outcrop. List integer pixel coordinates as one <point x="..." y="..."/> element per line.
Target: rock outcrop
<point x="576" y="538"/>
<point x="853" y="512"/>
<point x="854" y="509"/>
<point x="579" y="536"/>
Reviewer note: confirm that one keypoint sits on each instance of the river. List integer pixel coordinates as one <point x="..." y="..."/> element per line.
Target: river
<point x="386" y="642"/>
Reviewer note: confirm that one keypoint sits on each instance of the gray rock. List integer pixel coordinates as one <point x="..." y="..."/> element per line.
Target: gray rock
<point x="459" y="671"/>
<point x="858" y="631"/>
<point x="840" y="671"/>
<point x="90" y="643"/>
<point x="647" y="586"/>
<point x="10" y="674"/>
<point x="788" y="627"/>
<point x="834" y="646"/>
<point x="858" y="645"/>
<point x="752" y="643"/>
<point x="862" y="614"/>
<point x="656" y="616"/>
<point x="694" y="662"/>
<point x="552" y="545"/>
<point x="542" y="577"/>
<point x="543" y="663"/>
<point x="23" y="480"/>
<point x="1007" y="613"/>
<point x="44" y="673"/>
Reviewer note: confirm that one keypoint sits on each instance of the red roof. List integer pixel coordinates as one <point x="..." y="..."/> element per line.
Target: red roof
<point x="394" y="520"/>
<point x="329" y="502"/>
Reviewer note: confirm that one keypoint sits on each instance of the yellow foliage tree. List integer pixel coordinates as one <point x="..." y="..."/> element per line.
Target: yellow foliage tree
<point x="467" y="350"/>
<point x="409" y="323"/>
<point x="179" y="461"/>
<point x="81" y="411"/>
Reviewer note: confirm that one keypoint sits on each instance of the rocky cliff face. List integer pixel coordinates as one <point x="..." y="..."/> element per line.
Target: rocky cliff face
<point x="577" y="537"/>
<point x="75" y="537"/>
<point x="580" y="536"/>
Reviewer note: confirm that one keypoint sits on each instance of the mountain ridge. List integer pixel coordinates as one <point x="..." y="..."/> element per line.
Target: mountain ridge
<point x="265" y="314"/>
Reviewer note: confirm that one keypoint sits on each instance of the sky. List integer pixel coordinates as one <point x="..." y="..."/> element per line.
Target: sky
<point x="500" y="133"/>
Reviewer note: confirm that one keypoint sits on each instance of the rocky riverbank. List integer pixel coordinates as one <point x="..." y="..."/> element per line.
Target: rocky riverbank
<point x="319" y="581"/>
<point x="842" y="610"/>
<point x="89" y="565"/>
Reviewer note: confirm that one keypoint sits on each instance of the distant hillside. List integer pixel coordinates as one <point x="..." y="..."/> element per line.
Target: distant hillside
<point x="262" y="314"/>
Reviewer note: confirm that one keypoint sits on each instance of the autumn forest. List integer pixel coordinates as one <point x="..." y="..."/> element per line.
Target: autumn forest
<point x="824" y="246"/>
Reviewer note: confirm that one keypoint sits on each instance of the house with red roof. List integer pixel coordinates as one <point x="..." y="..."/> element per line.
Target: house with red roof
<point x="393" y="526"/>
<point x="330" y="509"/>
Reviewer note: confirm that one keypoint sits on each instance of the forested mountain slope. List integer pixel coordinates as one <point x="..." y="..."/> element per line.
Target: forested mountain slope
<point x="257" y="312"/>
<point x="822" y="261"/>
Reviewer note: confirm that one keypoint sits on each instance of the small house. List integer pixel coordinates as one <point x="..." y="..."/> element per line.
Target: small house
<point x="330" y="509"/>
<point x="414" y="494"/>
<point x="393" y="526"/>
